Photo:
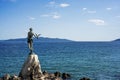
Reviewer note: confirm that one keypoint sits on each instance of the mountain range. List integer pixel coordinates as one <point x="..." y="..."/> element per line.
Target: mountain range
<point x="41" y="39"/>
<point x="117" y="40"/>
<point x="45" y="39"/>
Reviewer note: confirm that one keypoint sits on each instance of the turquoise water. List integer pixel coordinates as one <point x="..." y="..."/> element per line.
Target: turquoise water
<point x="97" y="60"/>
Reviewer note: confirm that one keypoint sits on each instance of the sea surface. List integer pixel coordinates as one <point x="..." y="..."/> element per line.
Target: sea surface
<point x="96" y="60"/>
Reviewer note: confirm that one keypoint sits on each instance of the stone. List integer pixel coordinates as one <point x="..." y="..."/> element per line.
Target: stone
<point x="46" y="74"/>
<point x="85" y="78"/>
<point x="16" y="77"/>
<point x="31" y="68"/>
<point x="57" y="74"/>
<point x="1" y="78"/>
<point x="6" y="77"/>
<point x="52" y="76"/>
<point x="66" y="76"/>
<point x="58" y="78"/>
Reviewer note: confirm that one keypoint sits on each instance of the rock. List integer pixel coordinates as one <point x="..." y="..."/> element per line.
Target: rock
<point x="57" y="74"/>
<point x="46" y="74"/>
<point x="52" y="76"/>
<point x="85" y="78"/>
<point x="1" y="78"/>
<point x="31" y="68"/>
<point x="6" y="77"/>
<point x="15" y="78"/>
<point x="66" y="76"/>
<point x="57" y="78"/>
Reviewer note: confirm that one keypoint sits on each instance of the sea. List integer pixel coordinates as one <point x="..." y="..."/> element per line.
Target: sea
<point x="96" y="60"/>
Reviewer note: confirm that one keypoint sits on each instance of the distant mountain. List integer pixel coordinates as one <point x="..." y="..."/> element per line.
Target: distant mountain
<point x="118" y="40"/>
<point x="41" y="39"/>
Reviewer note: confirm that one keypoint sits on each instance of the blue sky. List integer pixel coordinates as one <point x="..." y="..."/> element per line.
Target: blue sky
<point x="79" y="20"/>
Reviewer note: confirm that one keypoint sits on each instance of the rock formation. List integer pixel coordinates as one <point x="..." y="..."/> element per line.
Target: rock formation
<point x="31" y="68"/>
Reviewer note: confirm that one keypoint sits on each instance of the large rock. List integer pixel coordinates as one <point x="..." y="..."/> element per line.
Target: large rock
<point x="31" y="68"/>
<point x="6" y="77"/>
<point x="85" y="78"/>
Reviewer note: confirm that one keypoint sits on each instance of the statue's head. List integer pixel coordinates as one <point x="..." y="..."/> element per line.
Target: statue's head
<point x="30" y="29"/>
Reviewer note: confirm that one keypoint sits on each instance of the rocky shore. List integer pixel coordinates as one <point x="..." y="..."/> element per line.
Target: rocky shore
<point x="31" y="70"/>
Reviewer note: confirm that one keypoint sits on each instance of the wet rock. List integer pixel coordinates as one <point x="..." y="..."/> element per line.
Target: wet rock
<point x="57" y="74"/>
<point x="85" y="78"/>
<point x="52" y="76"/>
<point x="15" y="78"/>
<point x="57" y="78"/>
<point x="31" y="68"/>
<point x="46" y="74"/>
<point x="66" y="76"/>
<point x="6" y="77"/>
<point x="1" y="78"/>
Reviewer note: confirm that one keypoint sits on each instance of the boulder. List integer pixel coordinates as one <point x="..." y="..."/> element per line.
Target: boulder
<point x="6" y="77"/>
<point x="31" y="68"/>
<point x="57" y="74"/>
<point x="14" y="77"/>
<point x="85" y="78"/>
<point x="66" y="76"/>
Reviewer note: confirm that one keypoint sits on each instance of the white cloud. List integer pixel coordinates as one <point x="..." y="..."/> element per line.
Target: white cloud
<point x="92" y="12"/>
<point x="97" y="21"/>
<point x="45" y="15"/>
<point x="52" y="2"/>
<point x="84" y="9"/>
<point x="108" y="9"/>
<point x="31" y="18"/>
<point x="64" y="5"/>
<point x="56" y="16"/>
<point x="53" y="15"/>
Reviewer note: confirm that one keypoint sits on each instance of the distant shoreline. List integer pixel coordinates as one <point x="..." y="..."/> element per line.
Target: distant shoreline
<point x="46" y="39"/>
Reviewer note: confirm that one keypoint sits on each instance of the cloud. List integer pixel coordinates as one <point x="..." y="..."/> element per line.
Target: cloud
<point x="45" y="15"/>
<point x="56" y="16"/>
<point x="91" y="12"/>
<point x="31" y="18"/>
<point x="84" y="9"/>
<point x="97" y="21"/>
<point x="52" y="2"/>
<point x="108" y="9"/>
<point x="53" y="15"/>
<point x="63" y="5"/>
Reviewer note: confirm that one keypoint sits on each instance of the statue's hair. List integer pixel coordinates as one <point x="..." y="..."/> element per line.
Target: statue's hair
<point x="30" y="29"/>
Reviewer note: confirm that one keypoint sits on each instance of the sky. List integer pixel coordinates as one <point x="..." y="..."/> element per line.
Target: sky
<point x="79" y="20"/>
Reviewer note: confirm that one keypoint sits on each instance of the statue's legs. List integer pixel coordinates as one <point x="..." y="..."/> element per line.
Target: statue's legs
<point x="30" y="45"/>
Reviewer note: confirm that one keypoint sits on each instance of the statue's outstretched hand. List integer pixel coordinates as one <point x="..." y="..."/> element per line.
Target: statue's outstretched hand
<point x="37" y="35"/>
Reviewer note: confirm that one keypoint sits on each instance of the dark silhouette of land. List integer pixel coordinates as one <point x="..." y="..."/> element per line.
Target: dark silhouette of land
<point x="41" y="39"/>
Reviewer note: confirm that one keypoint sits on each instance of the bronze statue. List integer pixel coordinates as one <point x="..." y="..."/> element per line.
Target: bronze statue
<point x="30" y="39"/>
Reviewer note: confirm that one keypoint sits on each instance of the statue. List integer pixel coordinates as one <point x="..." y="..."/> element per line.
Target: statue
<point x="30" y="39"/>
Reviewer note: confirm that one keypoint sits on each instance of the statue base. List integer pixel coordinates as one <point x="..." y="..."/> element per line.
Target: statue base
<point x="31" y="68"/>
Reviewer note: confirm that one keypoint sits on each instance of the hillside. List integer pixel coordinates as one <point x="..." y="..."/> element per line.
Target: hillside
<point x="41" y="39"/>
<point x="117" y="40"/>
